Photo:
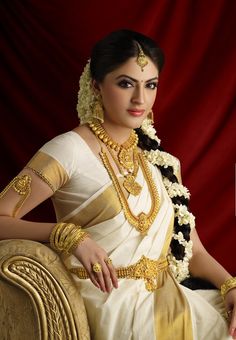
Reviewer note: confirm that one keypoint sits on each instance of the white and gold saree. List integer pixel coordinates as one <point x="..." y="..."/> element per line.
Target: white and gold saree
<point x="84" y="194"/>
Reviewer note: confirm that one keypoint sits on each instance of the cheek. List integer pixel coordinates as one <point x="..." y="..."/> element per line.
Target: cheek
<point x="113" y="97"/>
<point x="152" y="98"/>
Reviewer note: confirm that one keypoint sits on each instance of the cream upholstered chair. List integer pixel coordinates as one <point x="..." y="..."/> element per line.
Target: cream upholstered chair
<point x="38" y="297"/>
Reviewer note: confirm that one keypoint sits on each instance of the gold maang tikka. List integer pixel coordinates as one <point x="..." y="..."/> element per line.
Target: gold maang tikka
<point x="141" y="60"/>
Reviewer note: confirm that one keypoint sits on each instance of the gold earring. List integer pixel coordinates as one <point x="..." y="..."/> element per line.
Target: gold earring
<point x="98" y="112"/>
<point x="151" y="116"/>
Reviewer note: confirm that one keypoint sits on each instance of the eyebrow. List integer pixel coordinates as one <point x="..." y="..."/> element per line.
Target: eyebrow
<point x="135" y="80"/>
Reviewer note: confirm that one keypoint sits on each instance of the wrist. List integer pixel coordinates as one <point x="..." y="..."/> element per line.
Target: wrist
<point x="66" y="237"/>
<point x="227" y="286"/>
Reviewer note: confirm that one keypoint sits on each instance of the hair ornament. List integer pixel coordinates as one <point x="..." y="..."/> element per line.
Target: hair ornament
<point x="141" y="60"/>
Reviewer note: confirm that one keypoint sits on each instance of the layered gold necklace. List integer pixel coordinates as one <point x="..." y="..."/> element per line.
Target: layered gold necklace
<point x="126" y="158"/>
<point x="142" y="222"/>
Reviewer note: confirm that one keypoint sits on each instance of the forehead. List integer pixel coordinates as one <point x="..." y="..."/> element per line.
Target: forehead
<point x="132" y="69"/>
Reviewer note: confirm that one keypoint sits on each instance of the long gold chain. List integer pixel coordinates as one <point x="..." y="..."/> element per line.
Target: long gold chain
<point x="142" y="222"/>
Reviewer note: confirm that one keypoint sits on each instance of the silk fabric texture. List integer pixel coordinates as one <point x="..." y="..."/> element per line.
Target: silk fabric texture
<point x="84" y="194"/>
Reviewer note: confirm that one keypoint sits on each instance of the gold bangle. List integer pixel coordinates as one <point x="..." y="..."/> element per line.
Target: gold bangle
<point x="54" y="235"/>
<point x="65" y="237"/>
<point x="80" y="238"/>
<point x="227" y="286"/>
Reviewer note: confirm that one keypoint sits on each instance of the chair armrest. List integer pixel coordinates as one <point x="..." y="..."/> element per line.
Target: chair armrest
<point x="38" y="297"/>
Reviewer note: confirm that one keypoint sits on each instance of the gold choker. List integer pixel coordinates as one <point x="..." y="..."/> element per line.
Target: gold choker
<point x="101" y="133"/>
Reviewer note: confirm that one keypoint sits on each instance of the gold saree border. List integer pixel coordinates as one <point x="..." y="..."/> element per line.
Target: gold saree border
<point x="171" y="310"/>
<point x="48" y="169"/>
<point x="172" y="315"/>
<point x="98" y="210"/>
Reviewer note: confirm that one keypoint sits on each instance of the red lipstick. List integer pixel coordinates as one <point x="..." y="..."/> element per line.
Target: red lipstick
<point x="136" y="112"/>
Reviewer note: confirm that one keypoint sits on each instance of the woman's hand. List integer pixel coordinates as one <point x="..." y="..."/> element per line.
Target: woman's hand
<point x="89" y="253"/>
<point x="230" y="305"/>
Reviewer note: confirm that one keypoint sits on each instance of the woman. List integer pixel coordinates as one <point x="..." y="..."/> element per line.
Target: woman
<point x="123" y="227"/>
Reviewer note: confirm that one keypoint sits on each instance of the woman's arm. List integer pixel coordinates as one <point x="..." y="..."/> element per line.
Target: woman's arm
<point x="13" y="226"/>
<point x="203" y="265"/>
<point x="88" y="252"/>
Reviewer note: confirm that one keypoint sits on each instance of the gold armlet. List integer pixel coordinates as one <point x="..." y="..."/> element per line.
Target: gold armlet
<point x="66" y="237"/>
<point x="21" y="185"/>
<point x="227" y="286"/>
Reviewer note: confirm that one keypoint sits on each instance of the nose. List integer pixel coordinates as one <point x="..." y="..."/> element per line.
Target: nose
<point x="138" y="95"/>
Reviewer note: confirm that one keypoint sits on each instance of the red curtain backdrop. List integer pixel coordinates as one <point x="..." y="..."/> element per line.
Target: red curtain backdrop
<point x="44" y="47"/>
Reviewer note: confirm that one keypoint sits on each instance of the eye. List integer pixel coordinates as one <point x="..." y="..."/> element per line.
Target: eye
<point x="125" y="84"/>
<point x="152" y="85"/>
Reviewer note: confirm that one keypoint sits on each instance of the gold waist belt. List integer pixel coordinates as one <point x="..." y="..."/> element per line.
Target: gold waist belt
<point x="145" y="269"/>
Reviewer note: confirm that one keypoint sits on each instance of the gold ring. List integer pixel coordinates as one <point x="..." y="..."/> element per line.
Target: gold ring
<point x="108" y="261"/>
<point x="97" y="268"/>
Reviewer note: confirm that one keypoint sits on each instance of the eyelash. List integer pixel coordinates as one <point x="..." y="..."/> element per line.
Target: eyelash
<point x="127" y="84"/>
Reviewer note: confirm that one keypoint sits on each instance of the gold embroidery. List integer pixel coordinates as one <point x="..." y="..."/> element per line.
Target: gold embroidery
<point x="21" y="185"/>
<point x="145" y="269"/>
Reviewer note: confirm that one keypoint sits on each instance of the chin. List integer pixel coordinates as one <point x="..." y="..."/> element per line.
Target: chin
<point x="136" y="123"/>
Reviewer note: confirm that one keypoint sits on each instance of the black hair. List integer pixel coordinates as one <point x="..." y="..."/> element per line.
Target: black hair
<point x="117" y="47"/>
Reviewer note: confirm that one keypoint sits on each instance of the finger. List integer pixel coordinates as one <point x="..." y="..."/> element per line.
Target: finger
<point x="113" y="275"/>
<point x="106" y="277"/>
<point x="232" y="326"/>
<point x="94" y="280"/>
<point x="99" y="276"/>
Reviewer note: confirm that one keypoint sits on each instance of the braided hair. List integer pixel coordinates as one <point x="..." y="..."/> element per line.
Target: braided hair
<point x="177" y="249"/>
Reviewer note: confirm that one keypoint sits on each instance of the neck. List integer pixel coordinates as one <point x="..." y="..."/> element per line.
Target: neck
<point x="118" y="133"/>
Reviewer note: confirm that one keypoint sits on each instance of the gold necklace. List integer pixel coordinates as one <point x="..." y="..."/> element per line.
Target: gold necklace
<point x="123" y="150"/>
<point x="143" y="221"/>
<point x="129" y="182"/>
<point x="126" y="156"/>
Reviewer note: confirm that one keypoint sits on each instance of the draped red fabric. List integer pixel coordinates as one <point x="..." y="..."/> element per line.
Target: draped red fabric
<point x="44" y="47"/>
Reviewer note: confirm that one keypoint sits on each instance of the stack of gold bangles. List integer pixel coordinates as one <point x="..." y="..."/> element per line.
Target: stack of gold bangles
<point x="65" y="237"/>
<point x="227" y="286"/>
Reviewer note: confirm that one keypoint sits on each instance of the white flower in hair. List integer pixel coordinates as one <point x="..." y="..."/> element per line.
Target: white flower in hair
<point x="162" y="158"/>
<point x="184" y="216"/>
<point x="149" y="130"/>
<point x="176" y="189"/>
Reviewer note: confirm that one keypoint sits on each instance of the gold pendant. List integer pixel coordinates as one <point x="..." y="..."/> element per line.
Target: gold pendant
<point x="125" y="159"/>
<point x="131" y="186"/>
<point x="143" y="224"/>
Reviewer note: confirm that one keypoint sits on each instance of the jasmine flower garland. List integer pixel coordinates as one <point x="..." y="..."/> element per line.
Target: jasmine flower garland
<point x="86" y="95"/>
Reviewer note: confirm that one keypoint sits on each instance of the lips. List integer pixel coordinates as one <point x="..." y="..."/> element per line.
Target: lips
<point x="136" y="112"/>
